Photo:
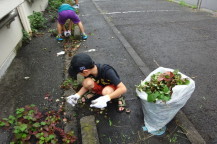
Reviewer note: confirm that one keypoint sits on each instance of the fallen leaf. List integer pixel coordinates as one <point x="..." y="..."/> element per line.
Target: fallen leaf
<point x="110" y="122"/>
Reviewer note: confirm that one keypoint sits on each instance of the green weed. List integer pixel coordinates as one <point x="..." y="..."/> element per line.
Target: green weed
<point x="30" y="124"/>
<point x="26" y="37"/>
<point x="70" y="83"/>
<point x="172" y="138"/>
<point x="183" y="3"/>
<point x="53" y="32"/>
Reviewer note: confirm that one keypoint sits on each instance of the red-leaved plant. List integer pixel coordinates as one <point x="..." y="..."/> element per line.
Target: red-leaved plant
<point x="29" y="124"/>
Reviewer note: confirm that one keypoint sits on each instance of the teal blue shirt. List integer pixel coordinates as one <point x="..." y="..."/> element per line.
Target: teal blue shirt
<point x="65" y="7"/>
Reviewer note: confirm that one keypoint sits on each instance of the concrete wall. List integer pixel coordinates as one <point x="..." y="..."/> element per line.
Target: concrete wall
<point x="9" y="38"/>
<point x="209" y="4"/>
<point x="11" y="35"/>
<point x="206" y="4"/>
<point x="36" y="5"/>
<point x="7" y="5"/>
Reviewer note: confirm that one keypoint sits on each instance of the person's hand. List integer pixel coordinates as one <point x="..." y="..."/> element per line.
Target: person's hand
<point x="100" y="102"/>
<point x="73" y="99"/>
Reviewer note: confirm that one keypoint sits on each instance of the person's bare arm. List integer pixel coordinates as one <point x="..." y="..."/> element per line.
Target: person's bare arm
<point x="101" y="102"/>
<point x="121" y="89"/>
<point x="82" y="91"/>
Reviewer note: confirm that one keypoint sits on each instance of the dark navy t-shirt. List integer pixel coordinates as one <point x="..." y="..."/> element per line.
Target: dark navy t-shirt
<point x="106" y="75"/>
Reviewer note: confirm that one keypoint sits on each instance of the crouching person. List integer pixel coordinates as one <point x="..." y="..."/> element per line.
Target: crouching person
<point x="66" y="12"/>
<point x="100" y="79"/>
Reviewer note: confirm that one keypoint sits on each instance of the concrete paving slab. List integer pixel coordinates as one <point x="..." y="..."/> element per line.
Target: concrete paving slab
<point x="89" y="130"/>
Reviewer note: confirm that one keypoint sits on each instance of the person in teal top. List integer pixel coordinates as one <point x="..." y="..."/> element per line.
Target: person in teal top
<point x="65" y="12"/>
<point x="65" y="7"/>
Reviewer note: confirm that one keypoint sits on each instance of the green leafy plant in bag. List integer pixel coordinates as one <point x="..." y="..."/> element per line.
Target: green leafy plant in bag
<point x="161" y="84"/>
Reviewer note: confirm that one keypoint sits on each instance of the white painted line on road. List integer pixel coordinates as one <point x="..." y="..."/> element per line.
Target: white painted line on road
<point x="127" y="12"/>
<point x="142" y="66"/>
<point x="146" y="11"/>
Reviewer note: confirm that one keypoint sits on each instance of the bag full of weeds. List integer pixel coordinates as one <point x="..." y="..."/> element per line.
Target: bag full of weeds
<point x="163" y="93"/>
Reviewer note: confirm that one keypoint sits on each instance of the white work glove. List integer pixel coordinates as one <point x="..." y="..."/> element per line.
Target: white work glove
<point x="100" y="102"/>
<point x="73" y="99"/>
<point x="67" y="33"/>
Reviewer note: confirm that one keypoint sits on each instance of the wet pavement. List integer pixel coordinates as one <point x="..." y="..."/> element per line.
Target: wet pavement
<point x="164" y="34"/>
<point x="35" y="72"/>
<point x="46" y="71"/>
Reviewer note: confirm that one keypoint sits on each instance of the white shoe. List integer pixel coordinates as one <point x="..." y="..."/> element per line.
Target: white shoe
<point x="67" y="33"/>
<point x="76" y="6"/>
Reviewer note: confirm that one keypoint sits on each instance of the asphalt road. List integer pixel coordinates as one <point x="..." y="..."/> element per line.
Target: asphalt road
<point x="163" y="34"/>
<point x="160" y="32"/>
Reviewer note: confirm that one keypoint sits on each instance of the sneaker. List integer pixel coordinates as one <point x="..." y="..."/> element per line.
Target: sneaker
<point x="144" y="128"/>
<point x="76" y="6"/>
<point x="69" y="32"/>
<point x="59" y="38"/>
<point x="84" y="37"/>
<point x="159" y="132"/>
<point x="65" y="33"/>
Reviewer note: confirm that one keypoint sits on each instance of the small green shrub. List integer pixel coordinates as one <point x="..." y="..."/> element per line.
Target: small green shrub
<point x="37" y="21"/>
<point x="54" y="4"/>
<point x="26" y="37"/>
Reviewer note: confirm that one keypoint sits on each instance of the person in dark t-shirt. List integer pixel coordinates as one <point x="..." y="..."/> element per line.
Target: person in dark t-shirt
<point x="101" y="79"/>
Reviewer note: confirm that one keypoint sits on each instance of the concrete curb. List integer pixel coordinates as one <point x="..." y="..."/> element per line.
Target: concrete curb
<point x="77" y="33"/>
<point x="71" y="125"/>
<point x="192" y="134"/>
<point x="88" y="126"/>
<point x="88" y="130"/>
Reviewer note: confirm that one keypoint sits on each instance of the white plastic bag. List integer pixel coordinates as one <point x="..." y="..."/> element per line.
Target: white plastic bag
<point x="157" y="115"/>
